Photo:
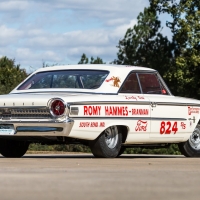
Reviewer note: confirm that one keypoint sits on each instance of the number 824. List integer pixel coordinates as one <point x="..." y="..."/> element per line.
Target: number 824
<point x="167" y="127"/>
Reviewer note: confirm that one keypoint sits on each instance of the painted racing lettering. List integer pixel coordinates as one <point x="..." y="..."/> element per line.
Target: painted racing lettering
<point x="84" y="124"/>
<point x="130" y="97"/>
<point x="140" y="97"/>
<point x="141" y="126"/>
<point x="102" y="124"/>
<point x="183" y="125"/>
<point x="140" y="111"/>
<point x="193" y="110"/>
<point x="91" y="124"/>
<point x="94" y="124"/>
<point x="134" y="97"/>
<point x="92" y="110"/>
<point x="167" y="128"/>
<point x="116" y="110"/>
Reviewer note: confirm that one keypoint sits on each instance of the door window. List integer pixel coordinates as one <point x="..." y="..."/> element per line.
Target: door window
<point x="131" y="84"/>
<point x="150" y="84"/>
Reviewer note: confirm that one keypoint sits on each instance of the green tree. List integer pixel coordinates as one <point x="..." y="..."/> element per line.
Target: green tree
<point x="10" y="75"/>
<point x="144" y="45"/>
<point x="185" y="28"/>
<point x="85" y="60"/>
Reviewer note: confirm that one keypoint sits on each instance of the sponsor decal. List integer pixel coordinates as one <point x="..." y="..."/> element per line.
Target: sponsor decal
<point x="92" y="110"/>
<point x="102" y="124"/>
<point x="140" y="111"/>
<point x="141" y="126"/>
<point x="116" y="110"/>
<point x="91" y="124"/>
<point x="131" y="98"/>
<point x="115" y="80"/>
<point x="134" y="97"/>
<point x="192" y="110"/>
<point x="183" y="125"/>
<point x="140" y="97"/>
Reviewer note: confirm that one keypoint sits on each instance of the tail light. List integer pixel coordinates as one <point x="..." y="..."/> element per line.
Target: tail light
<point x="57" y="107"/>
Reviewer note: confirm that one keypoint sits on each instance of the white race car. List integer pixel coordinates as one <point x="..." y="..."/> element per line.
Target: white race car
<point x="107" y="107"/>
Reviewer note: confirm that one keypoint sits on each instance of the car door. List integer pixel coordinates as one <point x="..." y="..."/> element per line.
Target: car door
<point x="139" y="110"/>
<point x="168" y="116"/>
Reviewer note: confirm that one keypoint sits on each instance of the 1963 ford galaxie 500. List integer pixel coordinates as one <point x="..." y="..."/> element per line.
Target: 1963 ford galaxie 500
<point x="106" y="107"/>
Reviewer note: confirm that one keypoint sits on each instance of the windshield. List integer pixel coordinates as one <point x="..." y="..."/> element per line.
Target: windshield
<point x="87" y="79"/>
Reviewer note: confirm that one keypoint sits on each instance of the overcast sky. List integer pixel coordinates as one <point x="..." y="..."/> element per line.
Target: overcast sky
<point x="60" y="31"/>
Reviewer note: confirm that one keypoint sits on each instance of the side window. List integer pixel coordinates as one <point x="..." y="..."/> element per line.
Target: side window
<point x="150" y="84"/>
<point x="131" y="85"/>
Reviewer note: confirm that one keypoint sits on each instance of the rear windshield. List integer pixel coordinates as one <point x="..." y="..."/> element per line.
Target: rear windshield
<point x="87" y="79"/>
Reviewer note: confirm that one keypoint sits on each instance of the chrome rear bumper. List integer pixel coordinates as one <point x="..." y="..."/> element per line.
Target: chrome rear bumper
<point x="41" y="128"/>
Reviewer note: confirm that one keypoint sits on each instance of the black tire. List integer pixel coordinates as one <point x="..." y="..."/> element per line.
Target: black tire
<point x="108" y="144"/>
<point x="191" y="148"/>
<point x="13" y="149"/>
<point x="121" y="151"/>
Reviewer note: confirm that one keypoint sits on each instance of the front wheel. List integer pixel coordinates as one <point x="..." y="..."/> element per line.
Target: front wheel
<point x="13" y="149"/>
<point x="191" y="148"/>
<point x="108" y="144"/>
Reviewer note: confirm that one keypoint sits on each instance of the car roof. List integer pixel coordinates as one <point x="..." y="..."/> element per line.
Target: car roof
<point x="108" y="67"/>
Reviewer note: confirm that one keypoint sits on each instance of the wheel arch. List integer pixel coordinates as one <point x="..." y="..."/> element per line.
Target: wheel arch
<point x="124" y="130"/>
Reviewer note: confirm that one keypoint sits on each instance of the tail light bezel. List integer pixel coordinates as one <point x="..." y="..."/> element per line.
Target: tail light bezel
<point x="66" y="109"/>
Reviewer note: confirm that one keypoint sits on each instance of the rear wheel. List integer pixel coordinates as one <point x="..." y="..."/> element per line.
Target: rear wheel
<point x="121" y="151"/>
<point x="108" y="144"/>
<point x="13" y="149"/>
<point x="191" y="148"/>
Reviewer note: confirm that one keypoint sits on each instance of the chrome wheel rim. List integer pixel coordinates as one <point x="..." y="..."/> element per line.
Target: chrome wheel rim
<point x="194" y="139"/>
<point x="111" y="137"/>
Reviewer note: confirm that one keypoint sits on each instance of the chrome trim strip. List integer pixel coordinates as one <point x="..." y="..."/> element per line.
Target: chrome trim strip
<point x="132" y="102"/>
<point x="109" y="102"/>
<point x="38" y="121"/>
<point x="35" y="122"/>
<point x="130" y="118"/>
<point x="177" y="104"/>
<point x="23" y="107"/>
<point x="105" y="102"/>
<point x="53" y="91"/>
<point x="168" y="119"/>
